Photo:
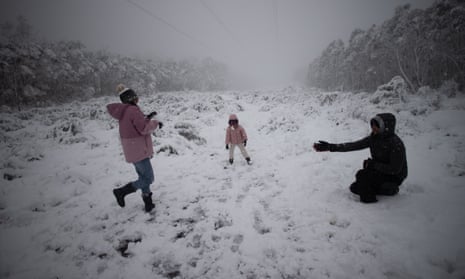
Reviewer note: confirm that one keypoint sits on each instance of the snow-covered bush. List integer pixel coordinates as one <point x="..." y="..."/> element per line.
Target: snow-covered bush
<point x="167" y="149"/>
<point x="449" y="88"/>
<point x="393" y="92"/>
<point x="68" y="132"/>
<point x="280" y="124"/>
<point x="9" y="123"/>
<point x="189" y="132"/>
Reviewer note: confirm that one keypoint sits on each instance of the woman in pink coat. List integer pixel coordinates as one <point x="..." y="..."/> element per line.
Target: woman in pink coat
<point x="135" y="129"/>
<point x="236" y="136"/>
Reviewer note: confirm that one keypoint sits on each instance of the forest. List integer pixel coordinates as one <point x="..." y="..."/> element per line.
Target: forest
<point x="36" y="72"/>
<point x="424" y="47"/>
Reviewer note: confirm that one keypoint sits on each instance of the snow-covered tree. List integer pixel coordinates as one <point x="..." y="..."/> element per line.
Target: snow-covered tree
<point x="39" y="73"/>
<point x="424" y="47"/>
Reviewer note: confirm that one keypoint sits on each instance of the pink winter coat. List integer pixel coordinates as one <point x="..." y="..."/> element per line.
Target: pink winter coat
<point x="235" y="135"/>
<point x="134" y="130"/>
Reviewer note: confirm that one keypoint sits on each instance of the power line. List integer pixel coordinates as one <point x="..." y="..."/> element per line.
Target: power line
<point x="167" y="23"/>
<point x="218" y="19"/>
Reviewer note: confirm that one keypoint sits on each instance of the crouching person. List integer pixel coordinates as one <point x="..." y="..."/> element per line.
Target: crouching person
<point x="135" y="129"/>
<point x="384" y="172"/>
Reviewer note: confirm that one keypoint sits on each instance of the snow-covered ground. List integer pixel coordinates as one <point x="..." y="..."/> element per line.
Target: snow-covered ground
<point x="289" y="215"/>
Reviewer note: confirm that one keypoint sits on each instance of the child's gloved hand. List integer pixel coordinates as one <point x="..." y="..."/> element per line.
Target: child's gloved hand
<point x="245" y="142"/>
<point x="227" y="146"/>
<point x="152" y="114"/>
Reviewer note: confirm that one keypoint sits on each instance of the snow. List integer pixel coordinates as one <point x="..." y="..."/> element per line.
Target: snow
<point x="289" y="215"/>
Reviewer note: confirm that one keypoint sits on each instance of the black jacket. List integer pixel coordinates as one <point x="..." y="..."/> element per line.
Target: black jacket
<point x="386" y="148"/>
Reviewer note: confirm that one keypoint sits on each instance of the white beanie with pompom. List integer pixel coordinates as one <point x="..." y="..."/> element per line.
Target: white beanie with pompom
<point x="120" y="88"/>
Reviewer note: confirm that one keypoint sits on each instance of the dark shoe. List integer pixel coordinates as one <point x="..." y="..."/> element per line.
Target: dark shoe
<point x="121" y="192"/>
<point x="388" y="189"/>
<point x="354" y="188"/>
<point x="147" y="198"/>
<point x="248" y="160"/>
<point x="368" y="199"/>
<point x="231" y="161"/>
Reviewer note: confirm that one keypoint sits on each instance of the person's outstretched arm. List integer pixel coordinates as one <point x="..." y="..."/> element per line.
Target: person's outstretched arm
<point x="342" y="147"/>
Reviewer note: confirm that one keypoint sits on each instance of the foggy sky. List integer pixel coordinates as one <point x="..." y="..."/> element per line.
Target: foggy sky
<point x="267" y="40"/>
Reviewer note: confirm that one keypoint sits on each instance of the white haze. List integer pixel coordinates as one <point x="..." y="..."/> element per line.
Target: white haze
<point x="266" y="41"/>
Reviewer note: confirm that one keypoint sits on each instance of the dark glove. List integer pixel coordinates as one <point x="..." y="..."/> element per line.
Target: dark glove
<point x="323" y="146"/>
<point x="160" y="125"/>
<point x="151" y="115"/>
<point x="245" y="143"/>
<point x="368" y="163"/>
<point x="227" y="146"/>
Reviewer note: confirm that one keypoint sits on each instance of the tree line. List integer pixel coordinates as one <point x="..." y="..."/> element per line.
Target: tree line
<point x="424" y="47"/>
<point x="39" y="73"/>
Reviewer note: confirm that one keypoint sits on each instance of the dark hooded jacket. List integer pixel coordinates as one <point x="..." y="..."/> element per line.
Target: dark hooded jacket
<point x="386" y="148"/>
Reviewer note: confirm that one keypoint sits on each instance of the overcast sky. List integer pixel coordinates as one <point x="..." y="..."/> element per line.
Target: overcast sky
<point x="265" y="39"/>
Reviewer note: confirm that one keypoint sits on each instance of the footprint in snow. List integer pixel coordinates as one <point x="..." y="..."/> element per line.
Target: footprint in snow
<point x="413" y="188"/>
<point x="339" y="223"/>
<point x="240" y="198"/>
<point x="237" y="240"/>
<point x="124" y="242"/>
<point x="259" y="226"/>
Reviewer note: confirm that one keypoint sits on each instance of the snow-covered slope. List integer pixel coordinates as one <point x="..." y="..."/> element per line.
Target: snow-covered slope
<point x="289" y="215"/>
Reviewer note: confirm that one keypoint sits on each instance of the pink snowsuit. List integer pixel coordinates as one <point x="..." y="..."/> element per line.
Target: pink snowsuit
<point x="235" y="134"/>
<point x="134" y="130"/>
<point x="236" y="137"/>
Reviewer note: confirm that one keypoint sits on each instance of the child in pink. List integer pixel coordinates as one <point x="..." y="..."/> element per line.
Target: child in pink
<point x="236" y="137"/>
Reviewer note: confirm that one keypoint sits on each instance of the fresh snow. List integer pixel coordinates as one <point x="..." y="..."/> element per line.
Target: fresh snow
<point x="289" y="215"/>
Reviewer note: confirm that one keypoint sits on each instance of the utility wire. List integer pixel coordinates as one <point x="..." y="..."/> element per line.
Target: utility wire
<point x="220" y="22"/>
<point x="167" y="23"/>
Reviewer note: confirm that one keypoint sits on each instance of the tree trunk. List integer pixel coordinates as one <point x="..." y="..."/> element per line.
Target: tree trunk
<point x="402" y="72"/>
<point x="417" y="67"/>
<point x="15" y="86"/>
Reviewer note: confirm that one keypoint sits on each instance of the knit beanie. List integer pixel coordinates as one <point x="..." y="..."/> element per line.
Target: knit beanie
<point x="126" y="95"/>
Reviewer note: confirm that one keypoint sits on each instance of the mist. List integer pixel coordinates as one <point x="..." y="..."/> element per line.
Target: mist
<point x="264" y="43"/>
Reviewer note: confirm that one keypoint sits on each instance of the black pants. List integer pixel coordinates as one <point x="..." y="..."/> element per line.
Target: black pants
<point x="370" y="183"/>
